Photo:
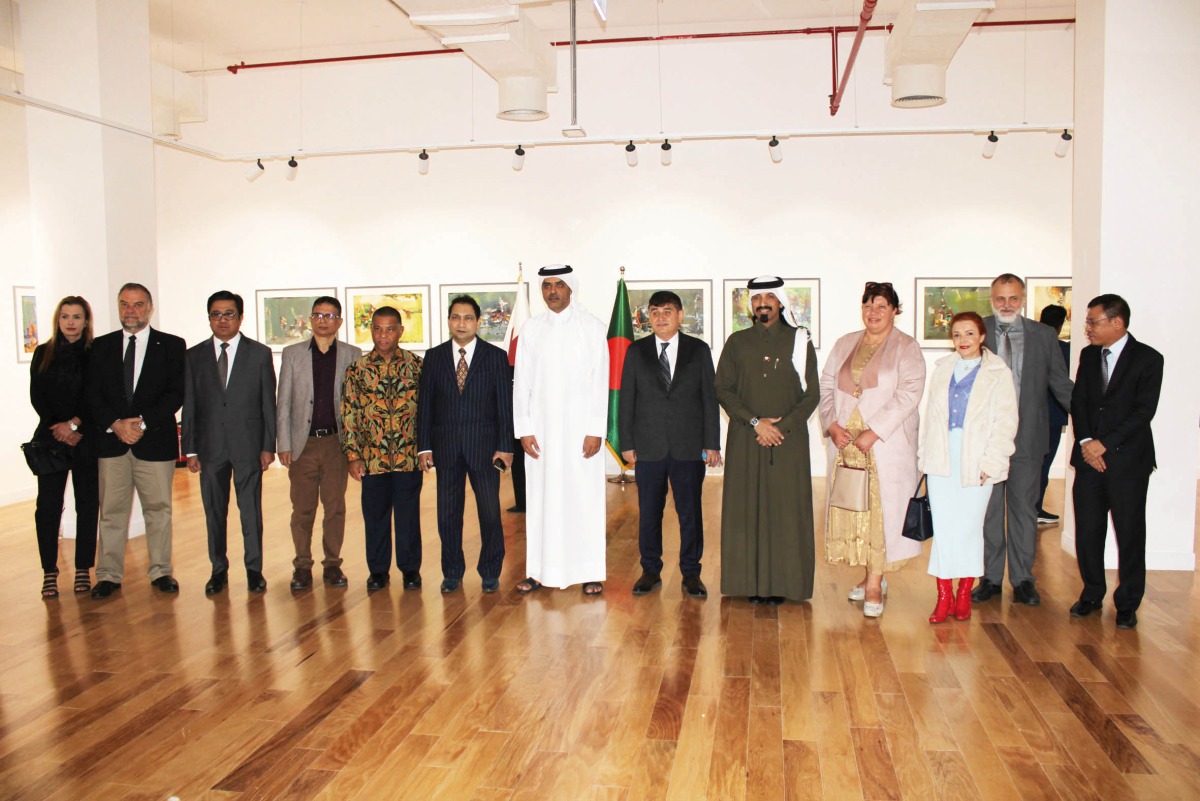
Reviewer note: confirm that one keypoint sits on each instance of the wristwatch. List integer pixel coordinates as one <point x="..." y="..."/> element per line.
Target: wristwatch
<point x="74" y="427"/>
<point x="754" y="422"/>
<point x="141" y="423"/>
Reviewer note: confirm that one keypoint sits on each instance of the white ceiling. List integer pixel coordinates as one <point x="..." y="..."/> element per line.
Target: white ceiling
<point x="206" y="34"/>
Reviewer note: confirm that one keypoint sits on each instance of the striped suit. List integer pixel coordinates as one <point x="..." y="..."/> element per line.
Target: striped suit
<point x="464" y="430"/>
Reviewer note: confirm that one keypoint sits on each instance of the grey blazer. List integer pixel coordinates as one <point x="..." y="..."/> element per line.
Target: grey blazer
<point x="1042" y="370"/>
<point x="294" y="406"/>
<point x="236" y="422"/>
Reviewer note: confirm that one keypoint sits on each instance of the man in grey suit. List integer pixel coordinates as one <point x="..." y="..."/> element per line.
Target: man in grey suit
<point x="1031" y="351"/>
<point x="669" y="426"/>
<point x="310" y="441"/>
<point x="229" y="432"/>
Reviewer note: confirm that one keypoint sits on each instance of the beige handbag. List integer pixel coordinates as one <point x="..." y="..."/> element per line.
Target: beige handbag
<point x="850" y="489"/>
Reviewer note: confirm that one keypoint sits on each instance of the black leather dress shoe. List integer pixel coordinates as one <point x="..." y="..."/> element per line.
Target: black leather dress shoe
<point x="516" y="508"/>
<point x="301" y="579"/>
<point x="985" y="591"/>
<point x="756" y="599"/>
<point x="216" y="583"/>
<point x="255" y="581"/>
<point x="412" y="579"/>
<point x="377" y="581"/>
<point x="775" y="600"/>
<point x="334" y="577"/>
<point x="165" y="584"/>
<point x="1026" y="593"/>
<point x="694" y="587"/>
<point x="1083" y="608"/>
<point x="1126" y="619"/>
<point x="449" y="585"/>
<point x="103" y="589"/>
<point x="491" y="585"/>
<point x="646" y="584"/>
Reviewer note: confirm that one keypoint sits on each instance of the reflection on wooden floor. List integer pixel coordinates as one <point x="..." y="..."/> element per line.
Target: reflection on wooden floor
<point x="335" y="694"/>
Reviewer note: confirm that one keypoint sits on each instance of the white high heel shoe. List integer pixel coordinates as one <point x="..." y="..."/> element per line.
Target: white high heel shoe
<point x="860" y="593"/>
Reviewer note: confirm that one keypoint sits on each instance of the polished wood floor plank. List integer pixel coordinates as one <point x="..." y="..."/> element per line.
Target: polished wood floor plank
<point x="344" y="695"/>
<point x="801" y="771"/>
<point x="727" y="769"/>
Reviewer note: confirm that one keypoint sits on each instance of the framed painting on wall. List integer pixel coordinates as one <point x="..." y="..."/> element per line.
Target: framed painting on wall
<point x="413" y="303"/>
<point x="803" y="298"/>
<point x="939" y="299"/>
<point x="25" y="317"/>
<point x="1043" y="292"/>
<point x="697" y="306"/>
<point x="283" y="315"/>
<point x="495" y="301"/>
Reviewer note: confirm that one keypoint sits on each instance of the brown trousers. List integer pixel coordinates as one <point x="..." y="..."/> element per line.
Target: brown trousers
<point x="319" y="474"/>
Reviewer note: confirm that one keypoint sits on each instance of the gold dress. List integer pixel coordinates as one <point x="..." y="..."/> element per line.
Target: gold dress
<point x="856" y="538"/>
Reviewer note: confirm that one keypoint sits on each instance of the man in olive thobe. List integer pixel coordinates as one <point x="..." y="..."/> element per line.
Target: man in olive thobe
<point x="767" y="383"/>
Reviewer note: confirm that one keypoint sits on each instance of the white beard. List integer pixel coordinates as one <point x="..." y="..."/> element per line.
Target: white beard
<point x="1007" y="319"/>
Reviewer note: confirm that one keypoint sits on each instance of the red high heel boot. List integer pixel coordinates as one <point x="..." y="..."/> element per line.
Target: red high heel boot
<point x="962" y="604"/>
<point x="945" y="601"/>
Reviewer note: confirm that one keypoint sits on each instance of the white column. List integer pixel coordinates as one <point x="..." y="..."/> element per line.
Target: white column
<point x="1137" y="113"/>
<point x="91" y="187"/>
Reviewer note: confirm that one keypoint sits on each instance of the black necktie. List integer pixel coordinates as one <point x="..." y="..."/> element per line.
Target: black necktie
<point x="664" y="366"/>
<point x="130" y="362"/>
<point x="223" y="365"/>
<point x="1104" y="369"/>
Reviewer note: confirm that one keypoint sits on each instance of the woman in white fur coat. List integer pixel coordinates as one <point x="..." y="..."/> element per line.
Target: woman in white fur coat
<point x="966" y="440"/>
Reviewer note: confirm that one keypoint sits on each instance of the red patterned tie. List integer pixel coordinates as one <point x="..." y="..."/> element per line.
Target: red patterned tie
<point x="462" y="369"/>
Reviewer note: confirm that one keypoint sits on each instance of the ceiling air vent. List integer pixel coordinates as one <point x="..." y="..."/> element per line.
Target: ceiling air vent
<point x="918" y="85"/>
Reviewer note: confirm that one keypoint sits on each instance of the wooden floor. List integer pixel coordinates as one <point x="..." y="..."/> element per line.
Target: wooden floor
<point x="334" y="694"/>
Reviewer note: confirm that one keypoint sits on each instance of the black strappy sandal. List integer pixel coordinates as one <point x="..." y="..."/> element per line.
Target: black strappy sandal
<point x="50" y="586"/>
<point x="528" y="585"/>
<point x="83" y="581"/>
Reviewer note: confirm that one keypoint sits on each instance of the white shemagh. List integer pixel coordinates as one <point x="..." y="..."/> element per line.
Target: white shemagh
<point x="776" y="286"/>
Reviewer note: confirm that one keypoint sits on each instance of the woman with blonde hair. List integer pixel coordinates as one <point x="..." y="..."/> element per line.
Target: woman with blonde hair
<point x="57" y="393"/>
<point x="967" y="438"/>
<point x="870" y="397"/>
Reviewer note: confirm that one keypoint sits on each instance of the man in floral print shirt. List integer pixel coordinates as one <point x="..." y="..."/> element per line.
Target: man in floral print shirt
<point x="379" y="417"/>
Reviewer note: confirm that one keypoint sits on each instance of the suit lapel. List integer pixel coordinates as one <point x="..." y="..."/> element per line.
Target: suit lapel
<point x="682" y="359"/>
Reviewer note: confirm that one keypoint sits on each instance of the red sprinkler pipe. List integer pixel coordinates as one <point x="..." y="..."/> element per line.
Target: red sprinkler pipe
<point x="864" y="19"/>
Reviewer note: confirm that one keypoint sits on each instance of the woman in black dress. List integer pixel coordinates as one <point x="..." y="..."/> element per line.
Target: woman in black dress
<point x="57" y="392"/>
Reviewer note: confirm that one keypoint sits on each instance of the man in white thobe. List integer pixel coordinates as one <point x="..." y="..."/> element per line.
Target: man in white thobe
<point x="560" y="413"/>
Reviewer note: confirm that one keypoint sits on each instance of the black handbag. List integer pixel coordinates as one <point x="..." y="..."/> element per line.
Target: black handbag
<point x="45" y="457"/>
<point x="918" y="520"/>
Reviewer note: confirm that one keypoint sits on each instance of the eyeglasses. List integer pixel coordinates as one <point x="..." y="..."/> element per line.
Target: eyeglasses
<point x="1088" y="322"/>
<point x="873" y="285"/>
<point x="327" y="316"/>
<point x="225" y="315"/>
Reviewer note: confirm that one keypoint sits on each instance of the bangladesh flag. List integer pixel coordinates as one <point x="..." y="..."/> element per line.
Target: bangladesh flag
<point x="620" y="337"/>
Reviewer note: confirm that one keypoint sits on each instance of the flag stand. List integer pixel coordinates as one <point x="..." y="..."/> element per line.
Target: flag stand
<point x="620" y="337"/>
<point x="623" y="478"/>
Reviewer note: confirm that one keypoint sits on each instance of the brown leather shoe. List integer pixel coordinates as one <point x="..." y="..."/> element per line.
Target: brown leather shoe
<point x="334" y="577"/>
<point x="301" y="579"/>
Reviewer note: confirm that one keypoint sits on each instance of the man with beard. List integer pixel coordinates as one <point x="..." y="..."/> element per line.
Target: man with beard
<point x="1030" y="349"/>
<point x="767" y="383"/>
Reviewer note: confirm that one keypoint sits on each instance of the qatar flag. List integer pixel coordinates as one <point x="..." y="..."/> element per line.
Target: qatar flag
<point x="520" y="314"/>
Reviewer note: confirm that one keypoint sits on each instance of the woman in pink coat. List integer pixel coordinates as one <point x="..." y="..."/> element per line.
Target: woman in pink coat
<point x="870" y="393"/>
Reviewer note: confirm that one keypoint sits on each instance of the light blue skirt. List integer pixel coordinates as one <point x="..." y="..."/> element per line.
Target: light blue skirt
<point x="957" y="519"/>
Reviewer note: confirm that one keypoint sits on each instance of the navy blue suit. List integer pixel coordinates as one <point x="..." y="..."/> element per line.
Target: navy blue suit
<point x="464" y="431"/>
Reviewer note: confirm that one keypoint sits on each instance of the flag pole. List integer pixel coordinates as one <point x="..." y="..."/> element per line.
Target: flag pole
<point x="615" y="370"/>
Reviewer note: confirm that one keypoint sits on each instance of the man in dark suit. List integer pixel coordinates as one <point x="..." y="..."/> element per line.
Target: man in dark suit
<point x="1031" y="352"/>
<point x="1116" y="395"/>
<point x="464" y="427"/>
<point x="135" y="386"/>
<point x="229" y="431"/>
<point x="670" y="428"/>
